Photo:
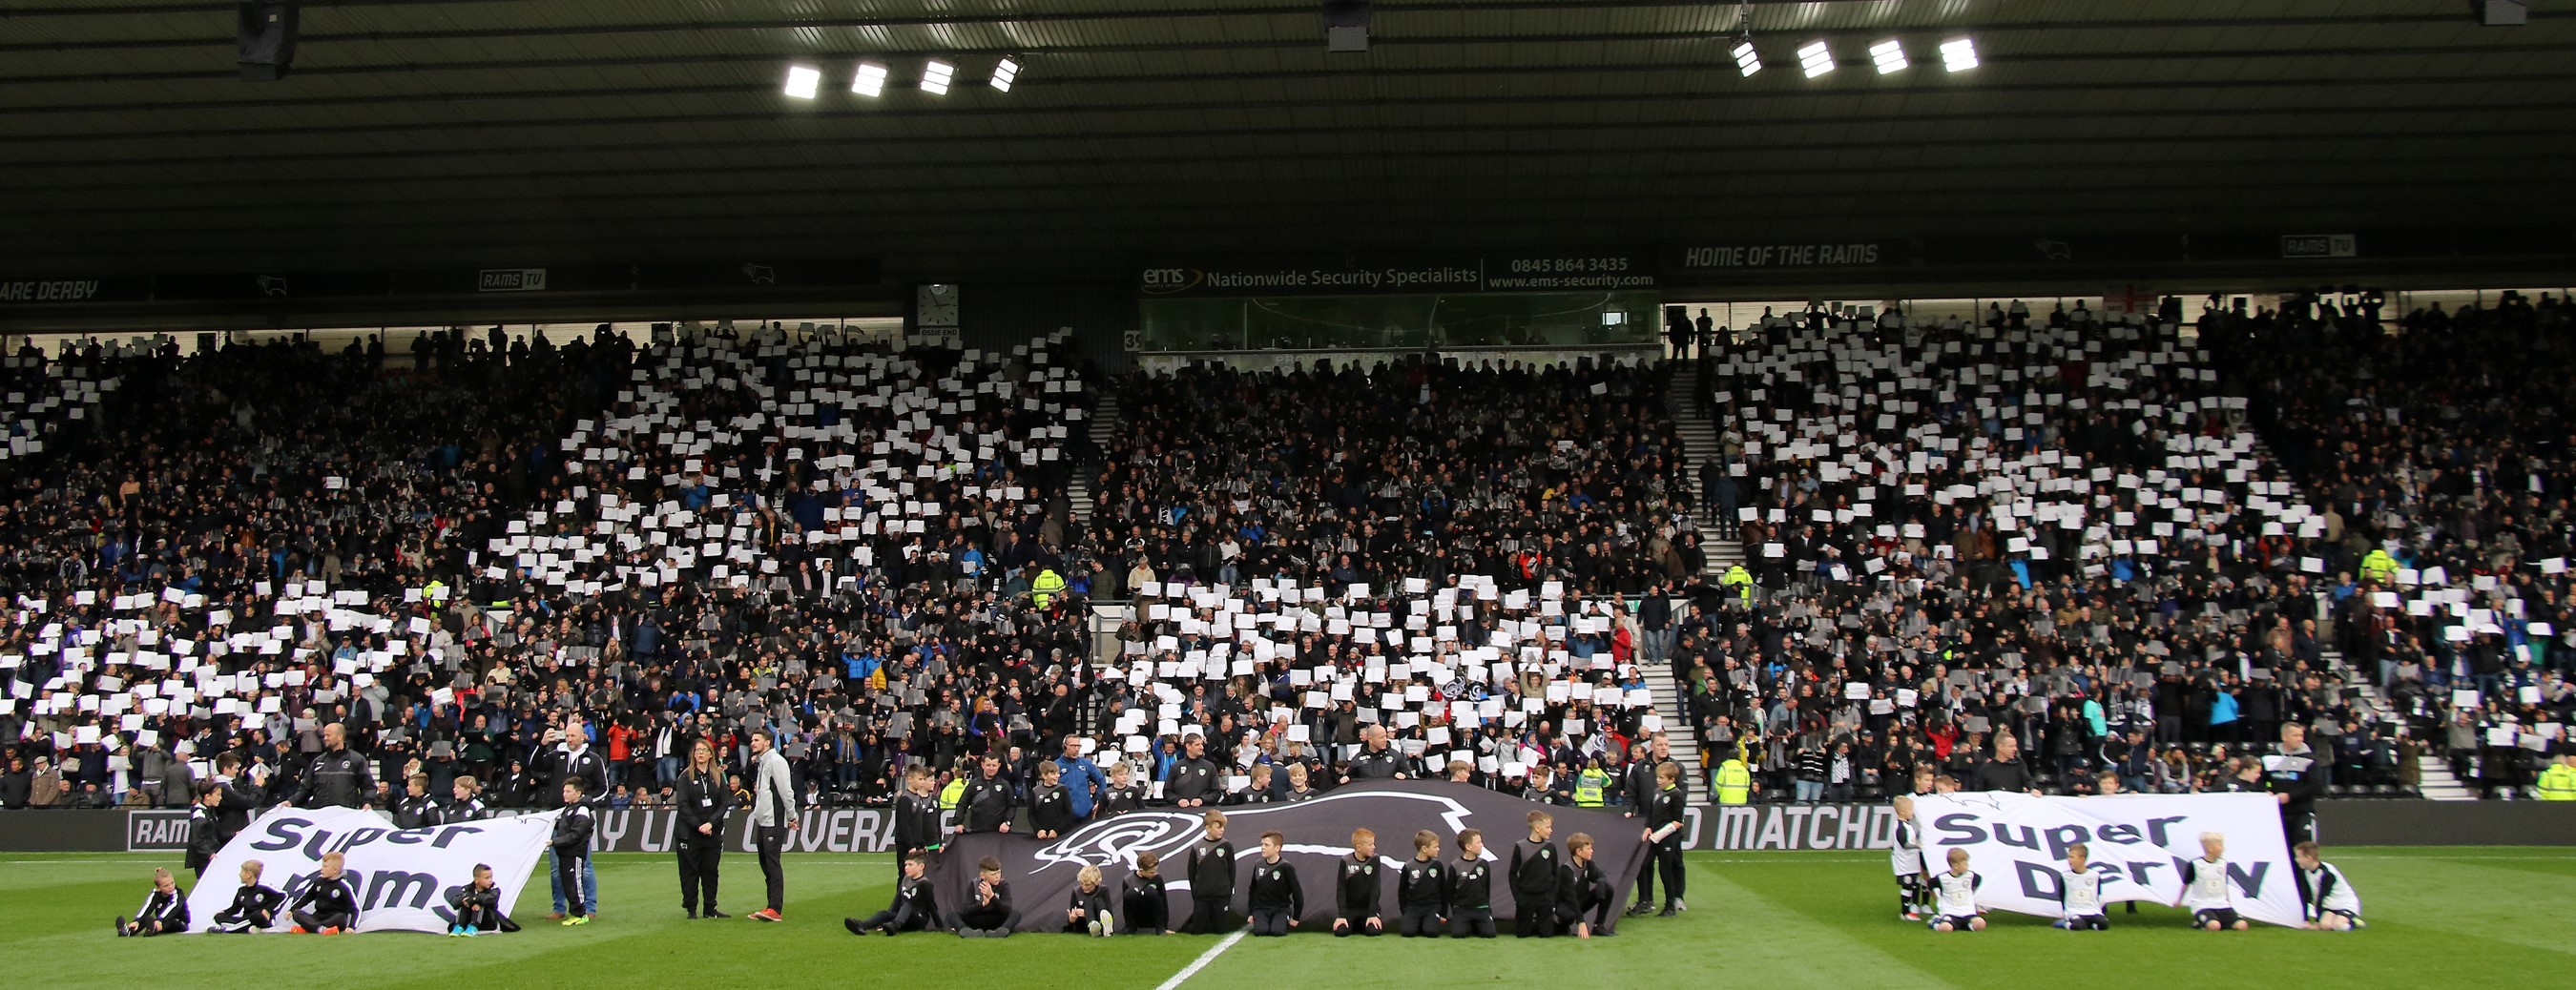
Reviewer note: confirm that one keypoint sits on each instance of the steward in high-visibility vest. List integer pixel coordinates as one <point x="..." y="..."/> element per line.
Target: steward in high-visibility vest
<point x="1736" y="577"/>
<point x="435" y="594"/>
<point x="2558" y="783"/>
<point x="1589" y="784"/>
<point x="1734" y="781"/>
<point x="1048" y="585"/>
<point x="2377" y="567"/>
<point x="949" y="795"/>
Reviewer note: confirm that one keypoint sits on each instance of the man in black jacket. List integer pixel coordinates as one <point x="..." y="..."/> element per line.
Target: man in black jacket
<point x="573" y="760"/>
<point x="2005" y="772"/>
<point x="986" y="804"/>
<point x="338" y="777"/>
<point x="1192" y="780"/>
<point x="2297" y="778"/>
<point x="1377" y="760"/>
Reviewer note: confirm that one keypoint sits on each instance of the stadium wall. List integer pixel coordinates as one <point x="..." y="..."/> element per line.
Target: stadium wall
<point x="1749" y="828"/>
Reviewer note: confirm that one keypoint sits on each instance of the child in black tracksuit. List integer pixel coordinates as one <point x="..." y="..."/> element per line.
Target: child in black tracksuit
<point x="572" y="846"/>
<point x="1086" y="910"/>
<point x="1211" y="873"/>
<point x="476" y="906"/>
<point x="916" y="819"/>
<point x="205" y="829"/>
<point x="1051" y="806"/>
<point x="164" y="911"/>
<point x="1422" y="889"/>
<point x="1471" y="889"/>
<point x="1148" y="907"/>
<point x="1278" y="898"/>
<point x="1534" y="879"/>
<point x="329" y="903"/>
<point x="255" y="907"/>
<point x="1583" y="900"/>
<point x="915" y="907"/>
<point x="1356" y="893"/>
<point x="988" y="912"/>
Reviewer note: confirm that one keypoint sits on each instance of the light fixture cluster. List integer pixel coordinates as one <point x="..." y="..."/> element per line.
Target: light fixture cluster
<point x="1816" y="58"/>
<point x="937" y="77"/>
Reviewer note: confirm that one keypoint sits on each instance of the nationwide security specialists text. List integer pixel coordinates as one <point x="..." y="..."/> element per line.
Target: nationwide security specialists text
<point x="1366" y="279"/>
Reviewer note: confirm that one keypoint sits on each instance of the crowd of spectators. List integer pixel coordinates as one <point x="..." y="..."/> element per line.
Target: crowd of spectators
<point x="272" y="547"/>
<point x="2023" y="552"/>
<point x="2438" y="446"/>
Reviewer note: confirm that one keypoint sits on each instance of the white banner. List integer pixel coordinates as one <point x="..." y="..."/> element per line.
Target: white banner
<point x="401" y="875"/>
<point x="2136" y="842"/>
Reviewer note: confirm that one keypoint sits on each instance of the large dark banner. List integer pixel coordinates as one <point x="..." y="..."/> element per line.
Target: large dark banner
<point x="1043" y="874"/>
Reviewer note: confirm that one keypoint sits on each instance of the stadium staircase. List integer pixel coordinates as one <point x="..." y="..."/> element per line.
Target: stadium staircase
<point x="2434" y="780"/>
<point x="1699" y="446"/>
<point x="1103" y="427"/>
<point x="1685" y="743"/>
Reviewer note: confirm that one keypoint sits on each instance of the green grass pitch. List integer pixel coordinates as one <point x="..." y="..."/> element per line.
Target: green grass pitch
<point x="2459" y="917"/>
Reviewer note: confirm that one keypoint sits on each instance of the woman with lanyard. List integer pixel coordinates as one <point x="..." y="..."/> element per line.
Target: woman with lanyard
<point x="704" y="798"/>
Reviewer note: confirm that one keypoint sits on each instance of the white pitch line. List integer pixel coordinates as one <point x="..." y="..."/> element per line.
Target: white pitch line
<point x="1201" y="962"/>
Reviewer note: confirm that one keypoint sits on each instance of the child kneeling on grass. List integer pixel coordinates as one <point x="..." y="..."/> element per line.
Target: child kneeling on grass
<point x="2324" y="895"/>
<point x="1954" y="897"/>
<point x="329" y="904"/>
<point x="2205" y="888"/>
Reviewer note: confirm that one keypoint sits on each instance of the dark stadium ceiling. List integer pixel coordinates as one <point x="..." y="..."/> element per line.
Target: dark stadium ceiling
<point x="427" y="132"/>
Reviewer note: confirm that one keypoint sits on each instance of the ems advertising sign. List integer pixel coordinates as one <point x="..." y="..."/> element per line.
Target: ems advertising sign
<point x="2137" y="843"/>
<point x="401" y="875"/>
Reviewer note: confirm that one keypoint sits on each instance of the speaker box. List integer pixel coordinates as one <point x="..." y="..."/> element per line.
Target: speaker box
<point x="267" y="39"/>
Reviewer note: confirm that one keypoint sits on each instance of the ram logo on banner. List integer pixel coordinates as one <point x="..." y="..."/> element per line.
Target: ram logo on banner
<point x="2138" y="843"/>
<point x="401" y="875"/>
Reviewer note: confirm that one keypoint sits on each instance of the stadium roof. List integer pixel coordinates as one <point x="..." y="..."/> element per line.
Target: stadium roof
<point x="431" y="132"/>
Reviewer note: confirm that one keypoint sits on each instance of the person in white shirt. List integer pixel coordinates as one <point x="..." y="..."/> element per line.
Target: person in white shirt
<point x="2081" y="894"/>
<point x="1955" y="897"/>
<point x="2205" y="888"/>
<point x="1906" y="859"/>
<point x="2324" y="895"/>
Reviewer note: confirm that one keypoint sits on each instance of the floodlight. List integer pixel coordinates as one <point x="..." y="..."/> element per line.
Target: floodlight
<point x="1005" y="73"/>
<point x="1889" y="55"/>
<point x="802" y="81"/>
<point x="1816" y="59"/>
<point x="870" y="81"/>
<point x="1958" y="54"/>
<point x="1747" y="60"/>
<point x="935" y="77"/>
